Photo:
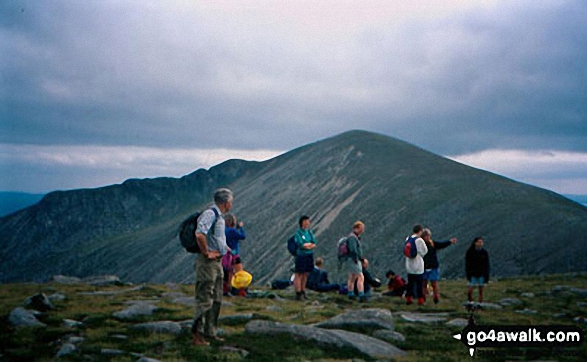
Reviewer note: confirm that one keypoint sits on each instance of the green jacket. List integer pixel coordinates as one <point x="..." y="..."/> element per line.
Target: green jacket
<point x="304" y="236"/>
<point x="355" y="247"/>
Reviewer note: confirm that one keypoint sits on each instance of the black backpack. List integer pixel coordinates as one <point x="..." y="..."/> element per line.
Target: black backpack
<point x="187" y="232"/>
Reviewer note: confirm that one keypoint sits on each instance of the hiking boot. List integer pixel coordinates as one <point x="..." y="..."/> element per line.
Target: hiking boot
<point x="409" y="300"/>
<point x="352" y="297"/>
<point x="216" y="338"/>
<point x="304" y="295"/>
<point x="421" y="301"/>
<point x="198" y="340"/>
<point x="436" y="300"/>
<point x="363" y="299"/>
<point x="298" y="296"/>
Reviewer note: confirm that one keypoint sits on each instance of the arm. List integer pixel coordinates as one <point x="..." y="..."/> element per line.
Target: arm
<point x="438" y="245"/>
<point x="486" y="276"/>
<point x="421" y="247"/>
<point x="236" y="234"/>
<point x="203" y="245"/>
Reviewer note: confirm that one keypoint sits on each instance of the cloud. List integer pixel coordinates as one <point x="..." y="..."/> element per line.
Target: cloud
<point x="563" y="172"/>
<point x="93" y="166"/>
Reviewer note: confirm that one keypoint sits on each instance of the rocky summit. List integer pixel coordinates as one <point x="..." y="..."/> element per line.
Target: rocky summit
<point x="131" y="229"/>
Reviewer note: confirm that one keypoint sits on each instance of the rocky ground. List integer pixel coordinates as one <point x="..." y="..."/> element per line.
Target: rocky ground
<point x="104" y="319"/>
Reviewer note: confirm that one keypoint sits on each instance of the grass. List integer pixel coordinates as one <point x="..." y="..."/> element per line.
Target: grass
<point x="423" y="342"/>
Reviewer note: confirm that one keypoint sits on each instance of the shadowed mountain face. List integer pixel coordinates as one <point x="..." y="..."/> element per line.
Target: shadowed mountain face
<point x="130" y="229"/>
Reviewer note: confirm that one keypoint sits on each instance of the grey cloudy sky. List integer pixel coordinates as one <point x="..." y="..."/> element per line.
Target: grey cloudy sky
<point x="95" y="92"/>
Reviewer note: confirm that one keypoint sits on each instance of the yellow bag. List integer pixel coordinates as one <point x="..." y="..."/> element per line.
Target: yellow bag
<point x="241" y="280"/>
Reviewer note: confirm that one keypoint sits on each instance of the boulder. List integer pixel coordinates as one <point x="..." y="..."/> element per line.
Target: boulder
<point x="66" y="349"/>
<point x="163" y="327"/>
<point x="39" y="302"/>
<point x="527" y="311"/>
<point x="274" y="308"/>
<point x="57" y="297"/>
<point x="236" y="319"/>
<point x="510" y="301"/>
<point x="187" y="301"/>
<point x="361" y="319"/>
<point x="527" y="295"/>
<point x="389" y="336"/>
<point x="146" y="359"/>
<point x="239" y="351"/>
<point x="62" y="279"/>
<point x="70" y="323"/>
<point x="112" y="292"/>
<point x="426" y="318"/>
<point x="112" y="352"/>
<point x="22" y="318"/>
<point x="102" y="280"/>
<point x="372" y="347"/>
<point x="581" y="292"/>
<point x="136" y="310"/>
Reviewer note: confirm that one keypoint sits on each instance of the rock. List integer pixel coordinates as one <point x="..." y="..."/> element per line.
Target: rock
<point x="240" y="318"/>
<point x="581" y="292"/>
<point x="559" y="315"/>
<point x="70" y="323"/>
<point x="121" y="337"/>
<point x="113" y="292"/>
<point x="482" y="305"/>
<point x="39" y="302"/>
<point x="372" y="347"/>
<point x="510" y="301"/>
<point x="163" y="327"/>
<point x="112" y="352"/>
<point x="427" y="318"/>
<point x="274" y="308"/>
<point x="580" y="320"/>
<point x="581" y="304"/>
<point x="229" y="349"/>
<point x="142" y="301"/>
<point x="458" y="322"/>
<point x="187" y="301"/>
<point x="187" y="324"/>
<point x="57" y="297"/>
<point x="527" y="295"/>
<point x="22" y="318"/>
<point x="361" y="319"/>
<point x="75" y="339"/>
<point x="66" y="349"/>
<point x="559" y="288"/>
<point x="136" y="310"/>
<point x="102" y="280"/>
<point x="172" y="286"/>
<point x="527" y="311"/>
<point x="227" y="304"/>
<point x="389" y="336"/>
<point x="62" y="279"/>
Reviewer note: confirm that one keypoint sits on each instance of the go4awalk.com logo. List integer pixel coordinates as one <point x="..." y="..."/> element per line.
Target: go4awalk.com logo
<point x="474" y="336"/>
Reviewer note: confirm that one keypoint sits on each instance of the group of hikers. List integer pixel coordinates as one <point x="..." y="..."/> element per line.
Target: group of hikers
<point x="218" y="236"/>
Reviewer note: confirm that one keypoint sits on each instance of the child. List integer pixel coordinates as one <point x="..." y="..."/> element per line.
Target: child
<point x="396" y="285"/>
<point x="477" y="268"/>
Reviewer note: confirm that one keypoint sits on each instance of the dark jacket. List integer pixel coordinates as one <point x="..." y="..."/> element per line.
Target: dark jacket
<point x="477" y="264"/>
<point x="316" y="278"/>
<point x="431" y="259"/>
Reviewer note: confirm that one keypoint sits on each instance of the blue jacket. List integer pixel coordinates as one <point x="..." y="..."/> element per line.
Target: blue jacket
<point x="233" y="238"/>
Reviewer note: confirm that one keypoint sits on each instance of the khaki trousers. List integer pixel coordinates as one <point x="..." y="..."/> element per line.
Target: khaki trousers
<point x="209" y="280"/>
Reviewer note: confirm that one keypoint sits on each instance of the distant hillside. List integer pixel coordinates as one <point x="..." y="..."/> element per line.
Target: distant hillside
<point x="14" y="201"/>
<point x="130" y="229"/>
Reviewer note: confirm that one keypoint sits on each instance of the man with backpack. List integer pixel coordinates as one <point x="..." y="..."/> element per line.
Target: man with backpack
<point x="414" y="251"/>
<point x="211" y="240"/>
<point x="352" y="259"/>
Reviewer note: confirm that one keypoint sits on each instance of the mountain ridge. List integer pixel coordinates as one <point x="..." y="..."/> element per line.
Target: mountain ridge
<point x="386" y="182"/>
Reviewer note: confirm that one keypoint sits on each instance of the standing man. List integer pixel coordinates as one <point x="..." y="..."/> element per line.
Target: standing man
<point x="415" y="267"/>
<point x="352" y="262"/>
<point x="211" y="240"/>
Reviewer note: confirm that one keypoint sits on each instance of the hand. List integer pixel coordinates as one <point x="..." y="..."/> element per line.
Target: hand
<point x="213" y="254"/>
<point x="309" y="246"/>
<point x="453" y="240"/>
<point x="241" y="224"/>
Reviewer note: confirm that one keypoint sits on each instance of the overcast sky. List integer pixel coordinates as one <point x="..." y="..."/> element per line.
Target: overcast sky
<point x="95" y="92"/>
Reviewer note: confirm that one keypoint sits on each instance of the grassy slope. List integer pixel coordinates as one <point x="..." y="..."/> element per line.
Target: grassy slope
<point x="424" y="342"/>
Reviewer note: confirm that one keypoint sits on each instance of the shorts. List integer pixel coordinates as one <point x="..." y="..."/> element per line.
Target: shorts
<point x="432" y="275"/>
<point x="477" y="282"/>
<point x="304" y="263"/>
<point x="352" y="267"/>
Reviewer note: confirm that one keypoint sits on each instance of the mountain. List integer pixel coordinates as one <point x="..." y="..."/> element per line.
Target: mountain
<point x="14" y="201"/>
<point x="130" y="229"/>
<point x="582" y="199"/>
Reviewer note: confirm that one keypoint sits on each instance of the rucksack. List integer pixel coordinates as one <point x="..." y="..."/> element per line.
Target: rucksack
<point x="187" y="232"/>
<point x="342" y="247"/>
<point x="410" y="249"/>
<point x="292" y="246"/>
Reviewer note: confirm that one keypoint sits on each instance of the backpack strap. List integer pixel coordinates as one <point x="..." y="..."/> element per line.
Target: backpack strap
<point x="213" y="227"/>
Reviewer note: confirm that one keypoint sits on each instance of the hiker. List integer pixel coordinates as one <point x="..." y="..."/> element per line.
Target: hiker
<point x="211" y="239"/>
<point x="431" y="265"/>
<point x="477" y="268"/>
<point x="351" y="262"/>
<point x="415" y="265"/>
<point x="304" y="262"/>
<point x="231" y="262"/>
<point x="369" y="281"/>
<point x="396" y="285"/>
<point x="318" y="279"/>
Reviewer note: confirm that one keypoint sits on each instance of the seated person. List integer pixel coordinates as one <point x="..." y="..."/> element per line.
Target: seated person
<point x="318" y="278"/>
<point x="370" y="281"/>
<point x="396" y="285"/>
